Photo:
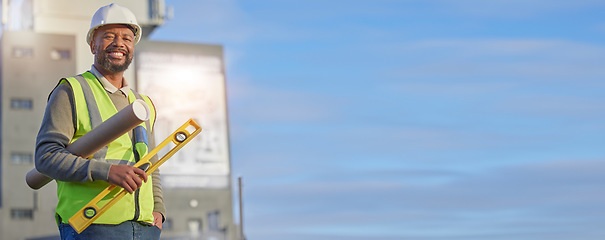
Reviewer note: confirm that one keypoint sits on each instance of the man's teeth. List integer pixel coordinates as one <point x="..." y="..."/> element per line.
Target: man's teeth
<point x="117" y="54"/>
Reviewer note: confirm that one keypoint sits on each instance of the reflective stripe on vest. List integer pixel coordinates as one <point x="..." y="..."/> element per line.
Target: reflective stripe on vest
<point x="93" y="106"/>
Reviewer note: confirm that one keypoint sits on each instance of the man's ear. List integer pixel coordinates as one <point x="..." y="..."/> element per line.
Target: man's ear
<point x="92" y="47"/>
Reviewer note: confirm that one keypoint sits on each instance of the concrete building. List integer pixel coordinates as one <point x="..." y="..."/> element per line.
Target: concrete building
<point x="43" y="41"/>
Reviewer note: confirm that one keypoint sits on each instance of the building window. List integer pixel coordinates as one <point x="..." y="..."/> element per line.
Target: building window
<point x="60" y="54"/>
<point x="213" y="221"/>
<point x="194" y="225"/>
<point x="22" y="158"/>
<point x="23" y="52"/>
<point x="22" y="214"/>
<point x="17" y="103"/>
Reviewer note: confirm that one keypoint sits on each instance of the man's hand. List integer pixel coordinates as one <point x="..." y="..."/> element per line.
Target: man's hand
<point x="127" y="177"/>
<point x="157" y="220"/>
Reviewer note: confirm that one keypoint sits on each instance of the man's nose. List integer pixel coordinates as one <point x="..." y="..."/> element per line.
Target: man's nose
<point x="118" y="41"/>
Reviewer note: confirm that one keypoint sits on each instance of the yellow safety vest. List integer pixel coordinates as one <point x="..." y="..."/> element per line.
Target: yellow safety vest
<point x="93" y="106"/>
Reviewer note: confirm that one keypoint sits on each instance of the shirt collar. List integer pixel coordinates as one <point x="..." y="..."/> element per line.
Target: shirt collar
<point x="107" y="85"/>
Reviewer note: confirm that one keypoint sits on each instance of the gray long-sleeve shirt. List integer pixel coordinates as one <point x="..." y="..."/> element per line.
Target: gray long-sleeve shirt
<point x="57" y="130"/>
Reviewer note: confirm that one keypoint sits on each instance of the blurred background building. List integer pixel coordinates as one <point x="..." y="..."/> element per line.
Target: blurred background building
<point x="43" y="41"/>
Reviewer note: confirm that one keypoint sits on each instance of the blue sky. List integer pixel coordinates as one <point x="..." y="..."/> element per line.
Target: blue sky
<point x="412" y="119"/>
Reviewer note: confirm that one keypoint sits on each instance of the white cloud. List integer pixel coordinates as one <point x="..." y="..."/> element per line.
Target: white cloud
<point x="524" y="201"/>
<point x="551" y="105"/>
<point x="274" y="105"/>
<point x="516" y="9"/>
<point x="497" y="59"/>
<point x="520" y="77"/>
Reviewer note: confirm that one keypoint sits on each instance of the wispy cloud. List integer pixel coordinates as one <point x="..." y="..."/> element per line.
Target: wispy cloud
<point x="521" y="200"/>
<point x="515" y="9"/>
<point x="520" y="59"/>
<point x="272" y="105"/>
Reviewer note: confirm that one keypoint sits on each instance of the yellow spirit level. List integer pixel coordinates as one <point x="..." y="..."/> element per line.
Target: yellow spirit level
<point x="89" y="213"/>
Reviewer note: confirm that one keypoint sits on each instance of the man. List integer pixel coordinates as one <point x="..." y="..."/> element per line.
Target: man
<point x="76" y="106"/>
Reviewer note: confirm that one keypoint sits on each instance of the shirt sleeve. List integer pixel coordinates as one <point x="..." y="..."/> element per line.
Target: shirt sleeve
<point x="56" y="131"/>
<point x="158" y="197"/>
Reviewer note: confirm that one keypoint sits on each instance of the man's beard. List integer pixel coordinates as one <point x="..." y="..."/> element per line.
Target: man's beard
<point x="109" y="66"/>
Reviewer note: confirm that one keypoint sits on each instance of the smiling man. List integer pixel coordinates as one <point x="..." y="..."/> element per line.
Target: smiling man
<point x="79" y="104"/>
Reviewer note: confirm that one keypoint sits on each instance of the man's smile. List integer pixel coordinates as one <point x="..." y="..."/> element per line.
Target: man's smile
<point x="116" y="54"/>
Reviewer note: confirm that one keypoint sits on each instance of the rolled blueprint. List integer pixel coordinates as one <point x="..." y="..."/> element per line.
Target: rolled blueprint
<point x="99" y="137"/>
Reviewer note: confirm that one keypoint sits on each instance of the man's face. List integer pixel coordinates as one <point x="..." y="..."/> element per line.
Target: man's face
<point x="113" y="47"/>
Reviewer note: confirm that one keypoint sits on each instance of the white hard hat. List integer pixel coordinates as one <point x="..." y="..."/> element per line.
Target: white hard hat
<point x="114" y="14"/>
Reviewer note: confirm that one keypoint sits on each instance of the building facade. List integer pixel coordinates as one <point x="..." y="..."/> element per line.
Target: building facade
<point x="43" y="41"/>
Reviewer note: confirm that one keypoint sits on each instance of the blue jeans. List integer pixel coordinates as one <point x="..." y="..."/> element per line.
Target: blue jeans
<point x="129" y="230"/>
